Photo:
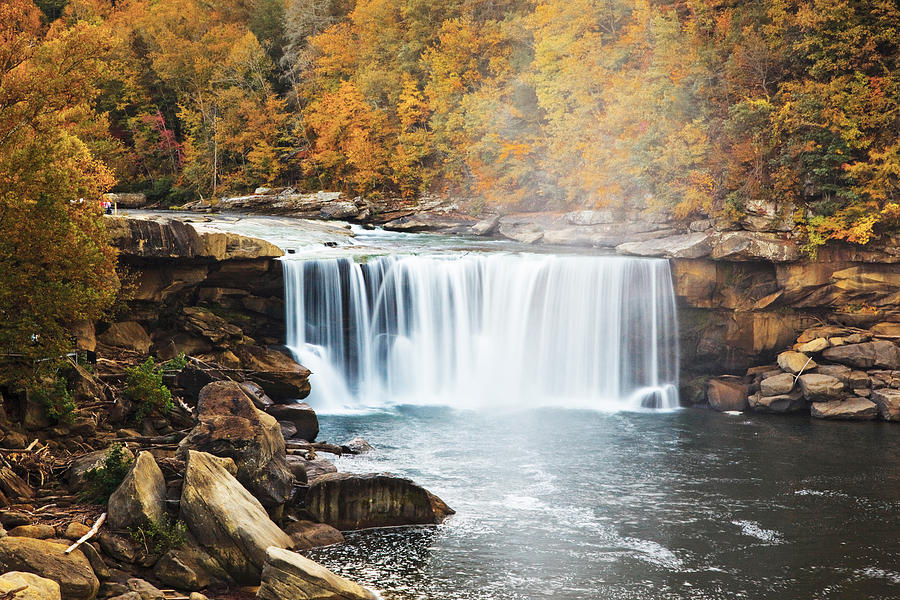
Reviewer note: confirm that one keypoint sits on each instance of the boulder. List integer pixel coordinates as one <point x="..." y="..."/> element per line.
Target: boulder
<point x="357" y="446"/>
<point x="39" y="531"/>
<point x="145" y="589"/>
<point x="209" y="326"/>
<point x="39" y="588"/>
<point x="777" y="385"/>
<point x="888" y="402"/>
<point x="866" y="355"/>
<point x="311" y="468"/>
<point x="687" y="245"/>
<point x="726" y="394"/>
<point x="852" y="409"/>
<point x="751" y="245"/>
<point x="486" y="226"/>
<point x="782" y="403"/>
<point x="290" y="575"/>
<point x="75" y="475"/>
<point x="278" y="374"/>
<point x="820" y="388"/>
<point x="887" y="331"/>
<point x="189" y="568"/>
<point x="858" y="379"/>
<point x="301" y="415"/>
<point x="307" y="534"/>
<point x="821" y="331"/>
<point x="339" y="210"/>
<point x="840" y="372"/>
<point x="795" y="362"/>
<point x="141" y="497"/>
<point x="71" y="571"/>
<point x="231" y="427"/>
<point x="816" y="345"/>
<point x="349" y="501"/>
<point x="226" y="520"/>
<point x="128" y="335"/>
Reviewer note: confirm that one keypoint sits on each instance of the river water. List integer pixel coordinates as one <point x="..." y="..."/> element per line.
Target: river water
<point x="610" y="503"/>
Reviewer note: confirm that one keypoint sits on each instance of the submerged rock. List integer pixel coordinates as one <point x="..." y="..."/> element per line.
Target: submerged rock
<point x="288" y="575"/>
<point x="350" y="501"/>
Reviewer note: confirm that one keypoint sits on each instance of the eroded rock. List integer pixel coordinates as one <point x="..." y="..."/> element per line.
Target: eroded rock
<point x="71" y="571"/>
<point x="290" y="575"/>
<point x="141" y="497"/>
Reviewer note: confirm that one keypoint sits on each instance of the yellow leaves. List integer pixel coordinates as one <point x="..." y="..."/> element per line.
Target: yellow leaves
<point x="513" y="150"/>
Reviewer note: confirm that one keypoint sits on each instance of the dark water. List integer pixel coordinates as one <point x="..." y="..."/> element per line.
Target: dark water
<point x="584" y="505"/>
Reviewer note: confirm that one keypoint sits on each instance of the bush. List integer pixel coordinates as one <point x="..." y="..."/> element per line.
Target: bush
<point x="103" y="481"/>
<point x="58" y="404"/>
<point x="159" y="536"/>
<point x="176" y="364"/>
<point x="144" y="387"/>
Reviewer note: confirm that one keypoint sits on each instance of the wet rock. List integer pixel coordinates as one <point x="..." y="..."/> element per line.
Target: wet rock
<point x="349" y="501"/>
<point x="795" y="362"/>
<point x="128" y="335"/>
<point x="888" y="402"/>
<point x="820" y="388"/>
<point x="726" y="394"/>
<point x="226" y="520"/>
<point x="852" y="409"/>
<point x="782" y="403"/>
<point x="357" y="446"/>
<point x="307" y="534"/>
<point x="301" y="415"/>
<point x="777" y="385"/>
<point x="141" y="497"/>
<point x="312" y="469"/>
<point x="278" y="374"/>
<point x="866" y="355"/>
<point x="230" y="426"/>
<point x="290" y="575"/>
<point x="71" y="571"/>
<point x="38" y="588"/>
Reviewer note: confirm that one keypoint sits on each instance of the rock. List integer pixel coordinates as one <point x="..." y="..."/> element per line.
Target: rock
<point x="288" y="429"/>
<point x="724" y="394"/>
<point x="97" y="563"/>
<point x="128" y="335"/>
<point x="71" y="571"/>
<point x="40" y="531"/>
<point x="486" y="226"/>
<point x="837" y="371"/>
<point x="144" y="589"/>
<point x="749" y="245"/>
<point x="122" y="548"/>
<point x="887" y="331"/>
<point x="357" y="446"/>
<point x="858" y="379"/>
<point x="189" y="568"/>
<point x="126" y="199"/>
<point x="339" y="210"/>
<point x="688" y="245"/>
<point x="197" y="596"/>
<point x="777" y="385"/>
<point x="256" y="394"/>
<point x="141" y="497"/>
<point x="816" y="345"/>
<point x="852" y="409"/>
<point x="888" y="402"/>
<point x="301" y="415"/>
<point x="75" y="475"/>
<point x="39" y="588"/>
<point x="781" y="403"/>
<point x="226" y="520"/>
<point x="279" y="375"/>
<point x="823" y="331"/>
<point x="230" y="426"/>
<point x="209" y="326"/>
<point x="127" y="596"/>
<point x="75" y="530"/>
<point x="350" y="501"/>
<point x="14" y="440"/>
<point x="307" y="534"/>
<point x="866" y="355"/>
<point x="819" y="388"/>
<point x="795" y="362"/>
<point x="312" y="469"/>
<point x="290" y="575"/>
<point x="14" y="518"/>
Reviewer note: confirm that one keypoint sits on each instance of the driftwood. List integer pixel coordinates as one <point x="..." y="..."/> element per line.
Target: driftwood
<point x="12" y="593"/>
<point x="88" y="535"/>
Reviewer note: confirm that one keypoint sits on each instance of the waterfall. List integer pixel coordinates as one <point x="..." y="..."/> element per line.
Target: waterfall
<point x="485" y="330"/>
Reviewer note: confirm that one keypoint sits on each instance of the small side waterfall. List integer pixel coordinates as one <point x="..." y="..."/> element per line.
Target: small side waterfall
<point x="483" y="330"/>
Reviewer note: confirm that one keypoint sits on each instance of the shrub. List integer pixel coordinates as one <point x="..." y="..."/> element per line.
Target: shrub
<point x="159" y="536"/>
<point x="144" y="387"/>
<point x="102" y="481"/>
<point x="176" y="364"/>
<point x="56" y="400"/>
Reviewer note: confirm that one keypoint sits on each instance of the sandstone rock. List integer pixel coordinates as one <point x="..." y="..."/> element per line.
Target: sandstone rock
<point x="866" y="355"/>
<point x="214" y="328"/>
<point x="591" y="217"/>
<point x="852" y="409"/>
<point x="819" y="388"/>
<point x="290" y="575"/>
<point x="777" y="385"/>
<point x="75" y="530"/>
<point x="688" y="245"/>
<point x="40" y="531"/>
<point x="75" y="475"/>
<point x="226" y="520"/>
<point x="85" y="335"/>
<point x="307" y="534"/>
<point x="816" y="345"/>
<point x="486" y="226"/>
<point x="888" y="402"/>
<point x="782" y="403"/>
<point x="128" y="335"/>
<point x="301" y="415"/>
<point x="144" y="589"/>
<point x="141" y="497"/>
<point x="278" y="374"/>
<point x="189" y="568"/>
<point x="230" y="426"/>
<point x="350" y="501"/>
<point x="127" y="596"/>
<point x="822" y="331"/>
<point x="726" y="395"/>
<point x="71" y="571"/>
<point x="39" y="588"/>
<point x="311" y="469"/>
<point x="122" y="547"/>
<point x="749" y="245"/>
<point x="888" y="331"/>
<point x="858" y="379"/>
<point x="839" y="372"/>
<point x="339" y="210"/>
<point x="795" y="362"/>
<point x="288" y="429"/>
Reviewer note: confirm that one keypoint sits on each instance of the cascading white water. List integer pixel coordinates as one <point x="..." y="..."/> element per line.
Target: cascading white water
<point x="485" y="330"/>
